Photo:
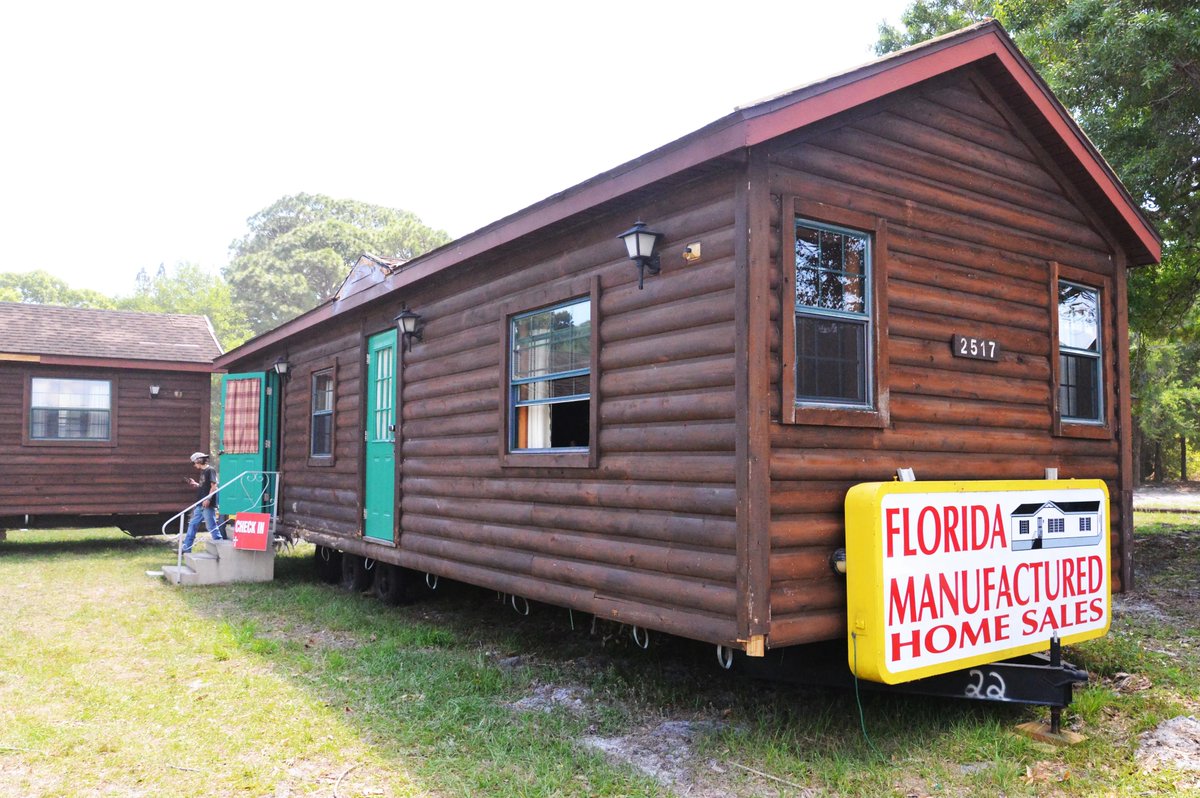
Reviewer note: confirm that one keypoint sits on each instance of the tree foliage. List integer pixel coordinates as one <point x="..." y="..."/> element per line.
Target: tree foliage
<point x="189" y="289"/>
<point x="39" y="287"/>
<point x="926" y="19"/>
<point x="298" y="251"/>
<point x="1129" y="72"/>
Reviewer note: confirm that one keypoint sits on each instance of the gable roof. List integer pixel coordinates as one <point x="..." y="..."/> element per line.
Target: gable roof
<point x="1034" y="508"/>
<point x="367" y="270"/>
<point x="53" y="334"/>
<point x="985" y="46"/>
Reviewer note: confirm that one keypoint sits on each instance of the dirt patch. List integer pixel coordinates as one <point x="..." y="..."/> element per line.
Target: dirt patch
<point x="548" y="697"/>
<point x="666" y="752"/>
<point x="1170" y="497"/>
<point x="1173" y="744"/>
<point x="1138" y="607"/>
<point x="1164" y="575"/>
<point x="311" y="637"/>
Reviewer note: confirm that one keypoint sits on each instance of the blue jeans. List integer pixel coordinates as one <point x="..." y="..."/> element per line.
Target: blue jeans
<point x="209" y="514"/>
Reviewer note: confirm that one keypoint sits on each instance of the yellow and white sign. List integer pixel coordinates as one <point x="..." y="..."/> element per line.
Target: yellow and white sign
<point x="943" y="576"/>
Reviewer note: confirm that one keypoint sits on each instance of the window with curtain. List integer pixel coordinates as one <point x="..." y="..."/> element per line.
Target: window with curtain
<point x="1080" y="381"/>
<point x="550" y="378"/>
<point x="241" y="416"/>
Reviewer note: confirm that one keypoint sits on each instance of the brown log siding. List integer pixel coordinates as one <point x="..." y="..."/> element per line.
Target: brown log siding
<point x="648" y="535"/>
<point x="693" y="505"/>
<point x="974" y="218"/>
<point x="142" y="470"/>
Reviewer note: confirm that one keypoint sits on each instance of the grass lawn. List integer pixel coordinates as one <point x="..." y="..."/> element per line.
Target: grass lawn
<point x="114" y="684"/>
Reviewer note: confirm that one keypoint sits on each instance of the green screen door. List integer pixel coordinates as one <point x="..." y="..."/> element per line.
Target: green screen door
<point x="249" y="423"/>
<point x="379" y="499"/>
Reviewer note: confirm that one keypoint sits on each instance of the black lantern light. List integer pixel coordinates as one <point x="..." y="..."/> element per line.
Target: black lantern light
<point x="641" y="242"/>
<point x="281" y="367"/>
<point x="410" y="325"/>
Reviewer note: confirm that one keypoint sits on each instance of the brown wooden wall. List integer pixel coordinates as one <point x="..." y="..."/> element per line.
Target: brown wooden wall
<point x="975" y="225"/>
<point x="708" y="511"/>
<point x="141" y="471"/>
<point x="647" y="536"/>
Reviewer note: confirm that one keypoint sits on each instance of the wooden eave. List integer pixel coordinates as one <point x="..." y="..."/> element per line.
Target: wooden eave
<point x="107" y="362"/>
<point x="985" y="46"/>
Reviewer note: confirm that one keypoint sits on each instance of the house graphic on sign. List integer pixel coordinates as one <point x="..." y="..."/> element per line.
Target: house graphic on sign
<point x="1055" y="524"/>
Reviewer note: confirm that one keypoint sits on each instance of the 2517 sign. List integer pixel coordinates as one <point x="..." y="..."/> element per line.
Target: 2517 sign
<point x="975" y="348"/>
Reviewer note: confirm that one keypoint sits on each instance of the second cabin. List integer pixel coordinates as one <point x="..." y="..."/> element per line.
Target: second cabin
<point x="919" y="264"/>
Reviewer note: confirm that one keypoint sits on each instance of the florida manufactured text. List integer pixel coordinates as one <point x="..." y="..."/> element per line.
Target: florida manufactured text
<point x="955" y="583"/>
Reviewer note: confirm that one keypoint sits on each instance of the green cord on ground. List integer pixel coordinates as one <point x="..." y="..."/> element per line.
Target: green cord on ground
<point x="862" y="721"/>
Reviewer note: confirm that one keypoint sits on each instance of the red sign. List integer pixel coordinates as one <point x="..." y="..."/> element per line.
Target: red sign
<point x="252" y="531"/>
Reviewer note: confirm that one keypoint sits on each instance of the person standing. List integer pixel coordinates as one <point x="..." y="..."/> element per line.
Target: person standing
<point x="207" y="509"/>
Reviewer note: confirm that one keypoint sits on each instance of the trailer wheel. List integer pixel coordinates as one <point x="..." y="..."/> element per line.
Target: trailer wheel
<point x="329" y="564"/>
<point x="393" y="584"/>
<point x="355" y="575"/>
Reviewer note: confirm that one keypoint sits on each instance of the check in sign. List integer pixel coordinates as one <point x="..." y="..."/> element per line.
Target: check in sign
<point x="251" y="531"/>
<point x="942" y="576"/>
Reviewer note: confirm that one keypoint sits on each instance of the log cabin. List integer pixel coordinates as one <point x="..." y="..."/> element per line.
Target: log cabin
<point x="917" y="264"/>
<point x="99" y="411"/>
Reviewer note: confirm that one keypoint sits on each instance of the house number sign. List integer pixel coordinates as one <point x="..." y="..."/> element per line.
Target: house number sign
<point x="975" y="348"/>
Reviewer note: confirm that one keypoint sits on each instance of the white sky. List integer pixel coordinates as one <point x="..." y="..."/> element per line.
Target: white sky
<point x="139" y="133"/>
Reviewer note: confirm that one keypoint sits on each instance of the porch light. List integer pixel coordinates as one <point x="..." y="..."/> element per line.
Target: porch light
<point x="640" y="243"/>
<point x="154" y="391"/>
<point x="281" y="366"/>
<point x="410" y="325"/>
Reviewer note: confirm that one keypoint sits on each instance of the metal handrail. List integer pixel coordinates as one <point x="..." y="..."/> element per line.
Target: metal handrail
<point x="264" y="476"/>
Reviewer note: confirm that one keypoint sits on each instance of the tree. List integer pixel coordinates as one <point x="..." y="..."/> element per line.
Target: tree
<point x="1129" y="72"/>
<point x="42" y="288"/>
<point x="298" y="251"/>
<point x="190" y="289"/>
<point x="926" y="19"/>
<point x="1166" y="402"/>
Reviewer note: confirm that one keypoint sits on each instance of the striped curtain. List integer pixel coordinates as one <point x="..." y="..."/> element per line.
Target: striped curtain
<point x="241" y="417"/>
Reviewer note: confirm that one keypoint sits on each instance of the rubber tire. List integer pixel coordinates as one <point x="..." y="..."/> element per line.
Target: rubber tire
<point x="392" y="584"/>
<point x="329" y="564"/>
<point x="355" y="576"/>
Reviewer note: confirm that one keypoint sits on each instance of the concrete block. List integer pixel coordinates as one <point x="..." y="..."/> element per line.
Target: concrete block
<point x="222" y="564"/>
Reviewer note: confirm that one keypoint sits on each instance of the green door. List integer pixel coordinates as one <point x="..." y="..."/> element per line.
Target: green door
<point x="379" y="497"/>
<point x="249" y="426"/>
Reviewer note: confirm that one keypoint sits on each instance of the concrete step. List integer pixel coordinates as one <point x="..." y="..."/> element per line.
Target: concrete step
<point x="220" y="563"/>
<point x="179" y="575"/>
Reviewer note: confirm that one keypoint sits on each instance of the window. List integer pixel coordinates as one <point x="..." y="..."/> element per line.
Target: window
<point x="1055" y="526"/>
<point x="550" y="358"/>
<point x="833" y="316"/>
<point x="1024" y="527"/>
<point x="1085" y="525"/>
<point x="241" y="416"/>
<point x="1080" y="382"/>
<point x="70" y="410"/>
<point x="321" y="438"/>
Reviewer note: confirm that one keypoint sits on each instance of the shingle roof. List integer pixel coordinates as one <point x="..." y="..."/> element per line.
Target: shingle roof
<point x="984" y="46"/>
<point x="105" y="334"/>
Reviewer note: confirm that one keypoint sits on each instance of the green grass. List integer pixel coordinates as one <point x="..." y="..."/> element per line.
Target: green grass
<point x="115" y="684"/>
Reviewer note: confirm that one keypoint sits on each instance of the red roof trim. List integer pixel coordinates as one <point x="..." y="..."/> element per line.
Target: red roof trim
<point x="1095" y="165"/>
<point x="748" y="127"/>
<point x="989" y="41"/>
